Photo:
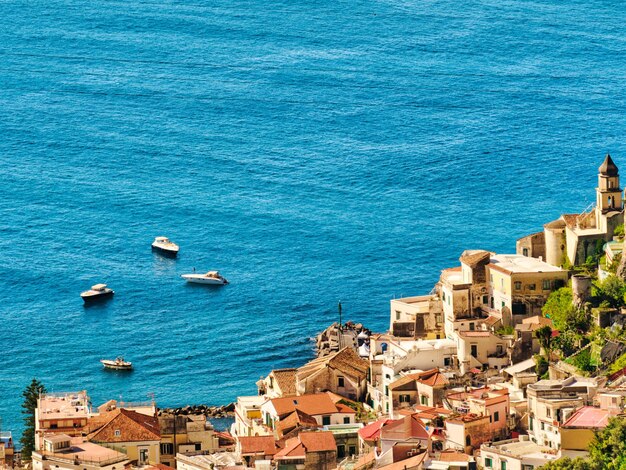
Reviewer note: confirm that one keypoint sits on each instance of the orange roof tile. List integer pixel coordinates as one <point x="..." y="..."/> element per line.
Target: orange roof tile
<point x="265" y="445"/>
<point x="318" y="441"/>
<point x="297" y="447"/>
<point x="432" y="378"/>
<point x="314" y="404"/>
<point x="411" y="426"/>
<point x="286" y="380"/>
<point x="121" y="425"/>
<point x="341" y="408"/>
<point x="371" y="432"/>
<point x="346" y="361"/>
<point x="295" y="419"/>
<point x="451" y="455"/>
<point x="411" y="463"/>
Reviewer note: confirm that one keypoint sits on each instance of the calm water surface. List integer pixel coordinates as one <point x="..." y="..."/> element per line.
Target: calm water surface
<point x="312" y="151"/>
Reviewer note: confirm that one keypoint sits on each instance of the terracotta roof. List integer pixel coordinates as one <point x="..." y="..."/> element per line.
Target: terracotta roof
<point x="492" y="320"/>
<point x="411" y="426"/>
<point x="430" y="377"/>
<point x="158" y="466"/>
<point x="314" y="404"/>
<point x="346" y="361"/>
<point x="608" y="167"/>
<point x="341" y="408"/>
<point x="537" y="319"/>
<point x="297" y="447"/>
<point x="371" y="432"/>
<point x="411" y="463"/>
<point x="318" y="441"/>
<point x="451" y="455"/>
<point x="130" y="425"/>
<point x="265" y="445"/>
<point x="225" y="435"/>
<point x="473" y="257"/>
<point x="286" y="380"/>
<point x="475" y="334"/>
<point x="295" y="419"/>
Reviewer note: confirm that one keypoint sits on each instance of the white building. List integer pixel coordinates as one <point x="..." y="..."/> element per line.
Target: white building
<point x="389" y="356"/>
<point x="514" y="454"/>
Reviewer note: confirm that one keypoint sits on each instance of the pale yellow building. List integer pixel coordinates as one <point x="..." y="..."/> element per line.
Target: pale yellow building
<point x="185" y="435"/>
<point x="518" y="286"/>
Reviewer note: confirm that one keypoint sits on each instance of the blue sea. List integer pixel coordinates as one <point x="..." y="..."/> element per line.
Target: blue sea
<point x="312" y="151"/>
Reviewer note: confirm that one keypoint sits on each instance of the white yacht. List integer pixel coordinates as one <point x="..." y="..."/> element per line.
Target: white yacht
<point x="212" y="277"/>
<point x="165" y="246"/>
<point x="97" y="292"/>
<point x="118" y="364"/>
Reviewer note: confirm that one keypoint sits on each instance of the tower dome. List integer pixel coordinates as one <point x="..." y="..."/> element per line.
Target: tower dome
<point x="608" y="168"/>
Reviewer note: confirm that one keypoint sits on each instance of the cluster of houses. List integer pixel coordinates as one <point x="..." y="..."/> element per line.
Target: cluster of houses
<point x="451" y="385"/>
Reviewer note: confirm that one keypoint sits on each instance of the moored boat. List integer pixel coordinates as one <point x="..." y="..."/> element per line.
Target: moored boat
<point x="211" y="277"/>
<point x="97" y="292"/>
<point x="118" y="364"/>
<point x="165" y="246"/>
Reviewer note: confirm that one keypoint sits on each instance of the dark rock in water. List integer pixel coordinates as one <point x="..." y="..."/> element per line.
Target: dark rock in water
<point x="223" y="411"/>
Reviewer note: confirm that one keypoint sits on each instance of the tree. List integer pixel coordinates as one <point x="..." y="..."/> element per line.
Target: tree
<point x="544" y="335"/>
<point x="608" y="448"/>
<point x="568" y="464"/>
<point x="559" y="307"/>
<point x="612" y="290"/>
<point x="30" y="394"/>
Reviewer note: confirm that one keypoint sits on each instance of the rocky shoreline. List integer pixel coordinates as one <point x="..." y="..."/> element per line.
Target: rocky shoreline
<point x="224" y="411"/>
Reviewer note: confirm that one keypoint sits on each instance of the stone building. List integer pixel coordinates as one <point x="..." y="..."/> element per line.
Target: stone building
<point x="418" y="317"/>
<point x="575" y="237"/>
<point x="343" y="373"/>
<point x="308" y="451"/>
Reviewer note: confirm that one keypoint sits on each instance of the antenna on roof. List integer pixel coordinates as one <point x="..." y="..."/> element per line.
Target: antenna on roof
<point x="340" y="328"/>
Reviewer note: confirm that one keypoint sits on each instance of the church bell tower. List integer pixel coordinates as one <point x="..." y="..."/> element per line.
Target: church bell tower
<point x="608" y="191"/>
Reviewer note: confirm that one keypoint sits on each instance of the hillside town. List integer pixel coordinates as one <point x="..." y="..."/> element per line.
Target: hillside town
<point x="513" y="361"/>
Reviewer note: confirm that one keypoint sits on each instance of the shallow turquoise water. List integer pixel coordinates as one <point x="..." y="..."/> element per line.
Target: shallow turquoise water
<point x="312" y="151"/>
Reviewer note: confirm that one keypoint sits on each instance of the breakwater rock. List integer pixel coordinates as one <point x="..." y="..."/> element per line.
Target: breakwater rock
<point x="223" y="411"/>
<point x="337" y="336"/>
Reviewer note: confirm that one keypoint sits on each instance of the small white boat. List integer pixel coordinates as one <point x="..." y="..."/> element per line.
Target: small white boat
<point x="118" y="364"/>
<point x="165" y="246"/>
<point x="97" y="292"/>
<point x="212" y="277"/>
